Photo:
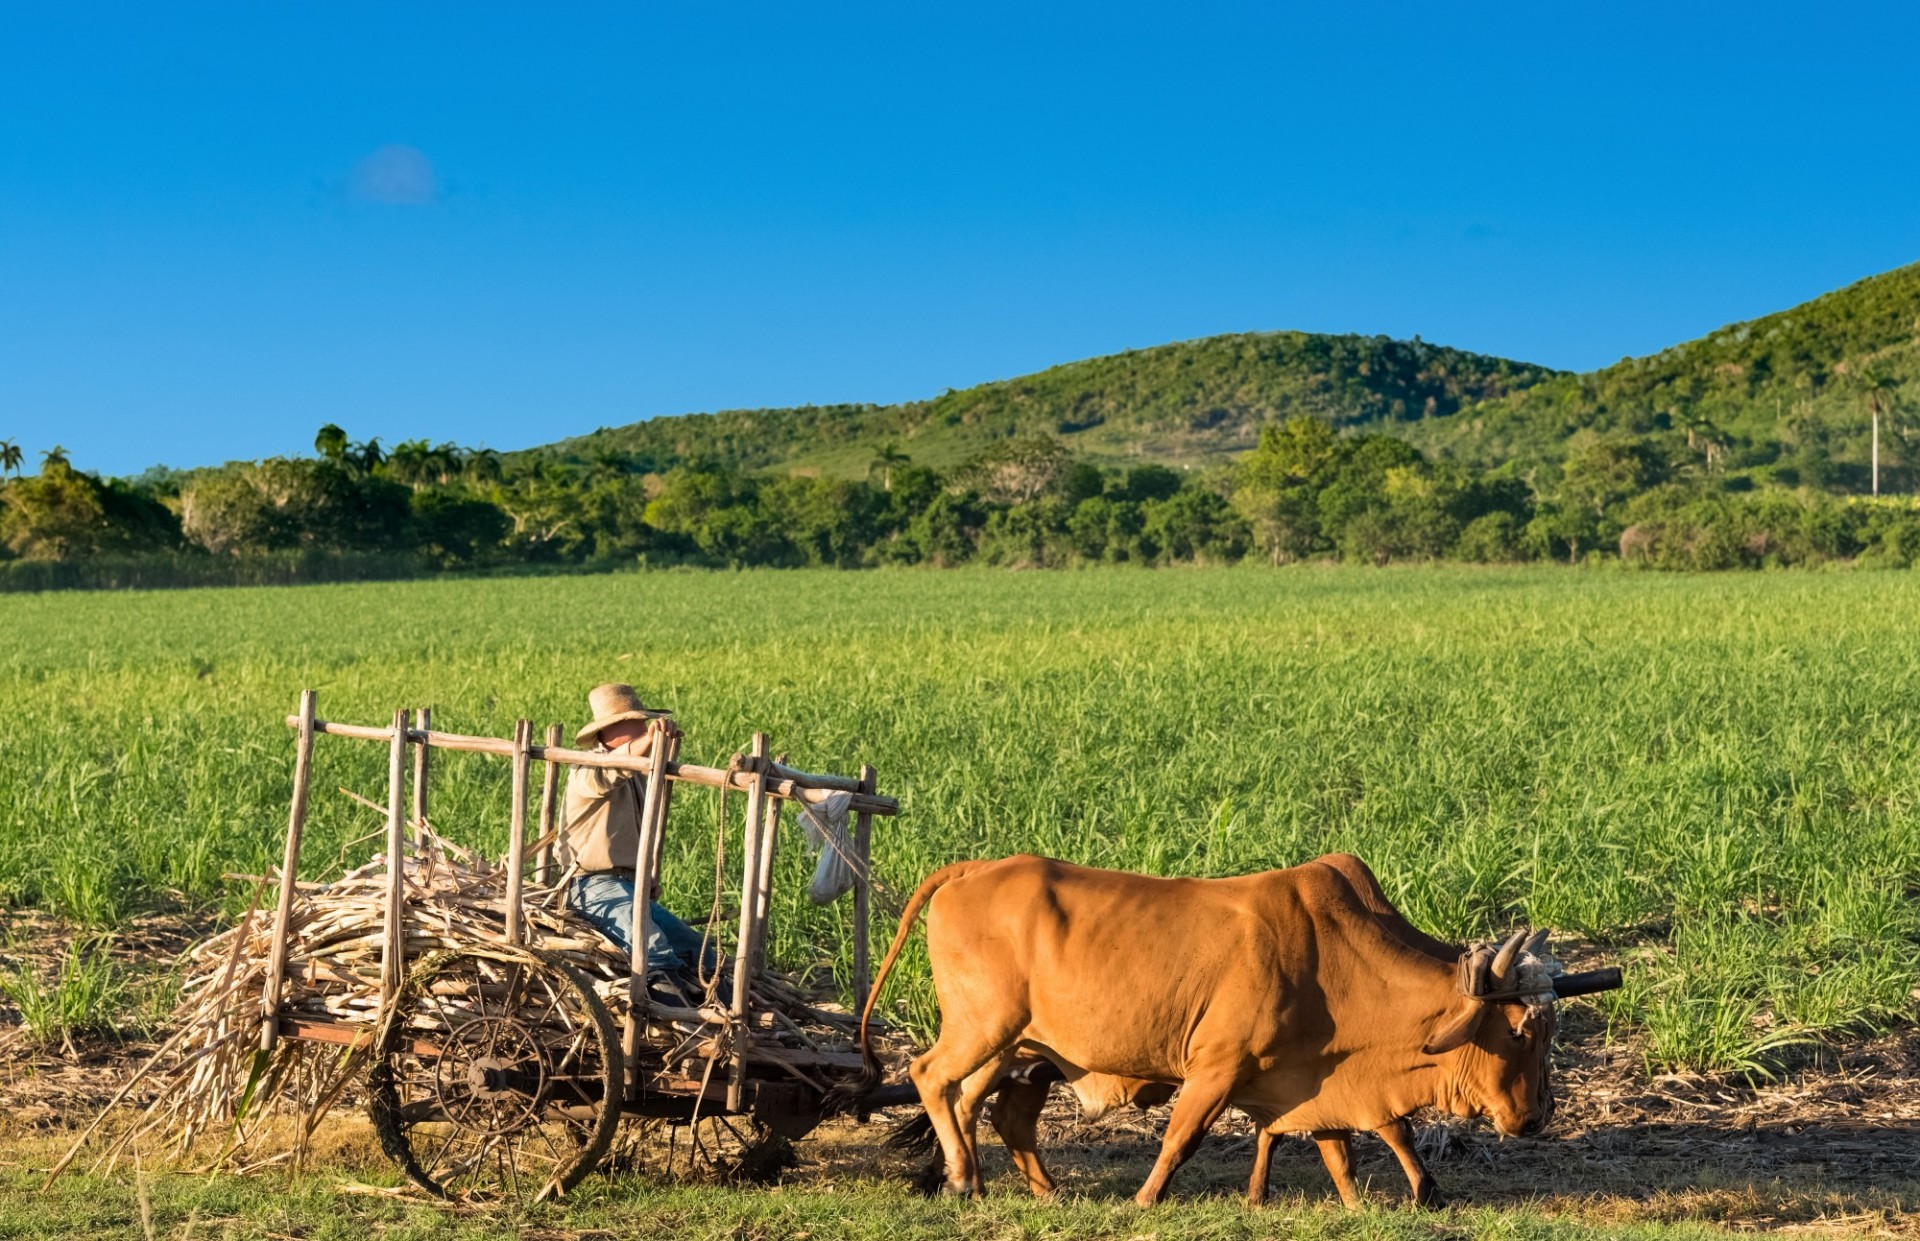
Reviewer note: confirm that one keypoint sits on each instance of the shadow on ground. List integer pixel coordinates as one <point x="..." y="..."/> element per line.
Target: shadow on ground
<point x="1758" y="1177"/>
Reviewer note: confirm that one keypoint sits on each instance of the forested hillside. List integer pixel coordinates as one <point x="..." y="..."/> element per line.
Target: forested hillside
<point x="1788" y="398"/>
<point x="1182" y="404"/>
<point x="1749" y="447"/>
<point x="1785" y="399"/>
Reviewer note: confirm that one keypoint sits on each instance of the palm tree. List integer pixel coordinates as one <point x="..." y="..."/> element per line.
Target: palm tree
<point x="408" y="463"/>
<point x="10" y="457"/>
<point x="367" y="455"/>
<point x="331" y="442"/>
<point x="482" y="466"/>
<point x="1879" y="390"/>
<point x="54" y="460"/>
<point x="885" y="458"/>
<point x="443" y="461"/>
<point x="608" y="464"/>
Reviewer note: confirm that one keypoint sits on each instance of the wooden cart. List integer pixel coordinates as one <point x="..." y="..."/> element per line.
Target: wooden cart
<point x="497" y="1071"/>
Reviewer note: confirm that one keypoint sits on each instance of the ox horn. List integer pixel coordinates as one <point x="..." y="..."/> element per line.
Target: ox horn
<point x="1509" y="952"/>
<point x="1536" y="943"/>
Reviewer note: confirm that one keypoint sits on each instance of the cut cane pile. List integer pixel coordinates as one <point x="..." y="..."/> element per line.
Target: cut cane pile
<point x="210" y="1076"/>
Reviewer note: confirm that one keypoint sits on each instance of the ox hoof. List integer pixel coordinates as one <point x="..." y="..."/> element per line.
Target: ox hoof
<point x="949" y="1190"/>
<point x="930" y="1180"/>
<point x="1429" y="1198"/>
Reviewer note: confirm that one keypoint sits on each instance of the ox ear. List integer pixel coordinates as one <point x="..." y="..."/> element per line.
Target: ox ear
<point x="1454" y="1029"/>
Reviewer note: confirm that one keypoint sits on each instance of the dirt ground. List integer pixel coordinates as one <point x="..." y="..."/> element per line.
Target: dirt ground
<point x="1835" y="1144"/>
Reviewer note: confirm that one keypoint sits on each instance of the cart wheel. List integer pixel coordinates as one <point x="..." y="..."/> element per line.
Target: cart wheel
<point x="496" y="1075"/>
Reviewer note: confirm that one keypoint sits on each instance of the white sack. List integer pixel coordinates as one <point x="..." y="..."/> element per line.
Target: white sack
<point x="826" y="827"/>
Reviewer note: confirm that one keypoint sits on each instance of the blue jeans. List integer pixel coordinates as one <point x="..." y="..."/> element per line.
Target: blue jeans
<point x="606" y="900"/>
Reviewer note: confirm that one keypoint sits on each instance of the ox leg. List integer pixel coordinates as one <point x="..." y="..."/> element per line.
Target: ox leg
<point x="1201" y="1101"/>
<point x="966" y="1113"/>
<point x="1399" y="1139"/>
<point x="1336" y="1149"/>
<point x="1016" y="1117"/>
<point x="1262" y="1163"/>
<point x="942" y="1076"/>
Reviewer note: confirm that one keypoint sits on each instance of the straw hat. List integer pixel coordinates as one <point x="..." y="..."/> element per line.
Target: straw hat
<point x="611" y="704"/>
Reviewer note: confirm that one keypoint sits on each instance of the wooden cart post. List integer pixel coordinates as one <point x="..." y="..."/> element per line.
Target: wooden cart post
<point x="393" y="951"/>
<point x="763" y="887"/>
<point x="666" y="801"/>
<point x="749" y="907"/>
<point x="423" y="718"/>
<point x="549" y="802"/>
<point x="640" y="919"/>
<point x="863" y="893"/>
<point x="289" y="871"/>
<point x="517" y="829"/>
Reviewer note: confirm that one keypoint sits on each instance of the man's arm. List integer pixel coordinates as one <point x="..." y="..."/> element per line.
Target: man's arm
<point x="595" y="784"/>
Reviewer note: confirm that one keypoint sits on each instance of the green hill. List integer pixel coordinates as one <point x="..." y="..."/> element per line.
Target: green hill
<point x="1784" y="398"/>
<point x="1188" y="403"/>
<point x="1786" y="395"/>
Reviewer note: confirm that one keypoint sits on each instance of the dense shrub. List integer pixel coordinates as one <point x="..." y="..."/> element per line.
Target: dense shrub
<point x="1304" y="492"/>
<point x="1492" y="538"/>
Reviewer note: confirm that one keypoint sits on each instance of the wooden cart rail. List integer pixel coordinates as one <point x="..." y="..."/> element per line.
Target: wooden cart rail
<point x="784" y="782"/>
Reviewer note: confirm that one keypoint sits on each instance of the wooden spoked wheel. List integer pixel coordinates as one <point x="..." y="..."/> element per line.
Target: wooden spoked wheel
<point x="496" y="1076"/>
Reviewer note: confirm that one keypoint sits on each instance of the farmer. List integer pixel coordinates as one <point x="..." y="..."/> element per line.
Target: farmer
<point x="601" y="839"/>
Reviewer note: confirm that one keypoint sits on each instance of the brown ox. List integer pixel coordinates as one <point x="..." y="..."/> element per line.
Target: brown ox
<point x="1022" y="1095"/>
<point x="1285" y="993"/>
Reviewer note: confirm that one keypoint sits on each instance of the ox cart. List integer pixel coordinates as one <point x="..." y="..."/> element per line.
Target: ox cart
<point x="498" y="1067"/>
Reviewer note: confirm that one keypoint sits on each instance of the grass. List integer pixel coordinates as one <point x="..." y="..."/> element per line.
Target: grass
<point x="86" y="996"/>
<point x="1713" y="778"/>
<point x="235" y="1208"/>
<point x="848" y="1189"/>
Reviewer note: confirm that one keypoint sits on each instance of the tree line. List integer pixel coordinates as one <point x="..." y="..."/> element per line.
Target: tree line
<point x="1304" y="493"/>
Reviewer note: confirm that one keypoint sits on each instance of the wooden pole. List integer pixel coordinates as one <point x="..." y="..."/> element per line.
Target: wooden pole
<point x="393" y="948"/>
<point x="549" y="805"/>
<point x="763" y="886"/>
<point x="863" y="895"/>
<point x="749" y="907"/>
<point x="641" y="919"/>
<point x="289" y="873"/>
<point x="517" y="829"/>
<point x="666" y="803"/>
<point x="1876" y="452"/>
<point x="423" y="719"/>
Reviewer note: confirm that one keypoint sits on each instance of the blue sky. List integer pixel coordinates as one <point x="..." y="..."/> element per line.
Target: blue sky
<point x="221" y="226"/>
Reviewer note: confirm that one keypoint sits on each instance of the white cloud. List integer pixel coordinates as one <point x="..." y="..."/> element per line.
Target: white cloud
<point x="397" y="174"/>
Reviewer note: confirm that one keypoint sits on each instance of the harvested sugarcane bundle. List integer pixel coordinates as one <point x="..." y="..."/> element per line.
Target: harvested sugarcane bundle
<point x="212" y="1078"/>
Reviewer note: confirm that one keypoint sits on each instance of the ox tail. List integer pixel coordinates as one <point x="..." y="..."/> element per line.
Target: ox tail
<point x="870" y="1064"/>
<point x="914" y="1135"/>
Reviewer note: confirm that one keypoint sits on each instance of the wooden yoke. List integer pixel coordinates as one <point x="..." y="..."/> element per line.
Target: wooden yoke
<point x="749" y="911"/>
<point x="289" y="871"/>
<point x="661" y="743"/>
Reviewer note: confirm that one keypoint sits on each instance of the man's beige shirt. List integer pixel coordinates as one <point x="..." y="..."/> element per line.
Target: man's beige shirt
<point x="602" y="817"/>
